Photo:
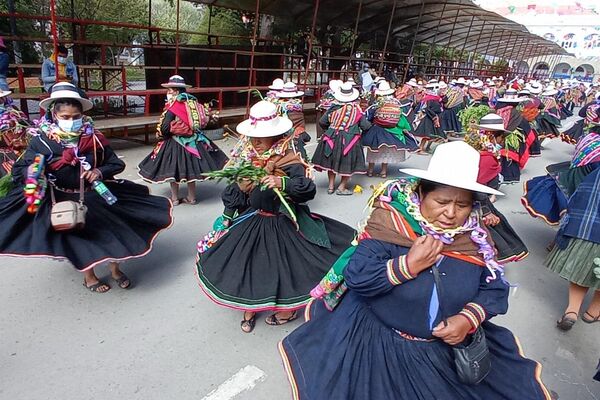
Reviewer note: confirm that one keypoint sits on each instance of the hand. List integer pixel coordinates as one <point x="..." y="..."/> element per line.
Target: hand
<point x="246" y="185"/>
<point x="424" y="252"/>
<point x="272" y="181"/>
<point x="456" y="331"/>
<point x="92" y="175"/>
<point x="491" y="220"/>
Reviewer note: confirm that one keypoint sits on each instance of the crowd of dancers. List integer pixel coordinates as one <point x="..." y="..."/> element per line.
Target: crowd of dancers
<point x="60" y="197"/>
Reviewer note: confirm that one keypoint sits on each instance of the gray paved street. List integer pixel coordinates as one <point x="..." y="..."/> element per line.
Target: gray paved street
<point x="165" y="340"/>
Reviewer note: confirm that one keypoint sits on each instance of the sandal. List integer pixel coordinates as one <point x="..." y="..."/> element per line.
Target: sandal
<point x="273" y="320"/>
<point x="344" y="192"/>
<point x="565" y="324"/>
<point x="96" y="287"/>
<point x="190" y="202"/>
<point x="175" y="202"/>
<point x="330" y="191"/>
<point x="383" y="176"/>
<point x="590" y="320"/>
<point x="247" y="325"/>
<point x="370" y="174"/>
<point x="123" y="281"/>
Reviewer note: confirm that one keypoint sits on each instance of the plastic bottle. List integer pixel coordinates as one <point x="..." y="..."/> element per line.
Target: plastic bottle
<point x="103" y="191"/>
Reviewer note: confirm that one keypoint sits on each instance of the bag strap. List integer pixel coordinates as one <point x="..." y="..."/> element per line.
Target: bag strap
<point x="439" y="289"/>
<point x="81" y="189"/>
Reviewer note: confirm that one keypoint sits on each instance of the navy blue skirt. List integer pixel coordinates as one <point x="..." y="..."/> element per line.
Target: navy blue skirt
<point x="377" y="137"/>
<point x="544" y="199"/>
<point x="450" y="122"/>
<point x="348" y="354"/>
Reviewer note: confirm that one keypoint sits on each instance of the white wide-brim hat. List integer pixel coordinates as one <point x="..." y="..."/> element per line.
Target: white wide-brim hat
<point x="335" y="84"/>
<point x="524" y="92"/>
<point x="346" y="93"/>
<point x="412" y="82"/>
<point x="476" y="84"/>
<point x="277" y="84"/>
<point x="453" y="164"/>
<point x="511" y="96"/>
<point x="4" y="93"/>
<point x="534" y="88"/>
<point x="65" y="90"/>
<point x="461" y="81"/>
<point x="264" y="121"/>
<point x="384" y="89"/>
<point x="549" y="92"/>
<point x="492" y="122"/>
<point x="290" y="89"/>
<point x="176" y="82"/>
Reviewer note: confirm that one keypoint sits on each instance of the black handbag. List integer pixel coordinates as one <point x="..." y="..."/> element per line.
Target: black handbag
<point x="472" y="357"/>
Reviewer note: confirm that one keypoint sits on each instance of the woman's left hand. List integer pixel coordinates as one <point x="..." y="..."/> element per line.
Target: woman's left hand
<point x="491" y="220"/>
<point x="272" y="182"/>
<point x="456" y="331"/>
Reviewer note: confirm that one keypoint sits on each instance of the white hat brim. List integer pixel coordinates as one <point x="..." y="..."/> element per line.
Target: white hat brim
<point x="175" y="85"/>
<point x="510" y="100"/>
<point x="4" y="93"/>
<point x="496" y="128"/>
<point x="288" y="95"/>
<point x="86" y="104"/>
<point x="450" y="181"/>
<point x="346" y="99"/>
<point x="384" y="92"/>
<point x="247" y="129"/>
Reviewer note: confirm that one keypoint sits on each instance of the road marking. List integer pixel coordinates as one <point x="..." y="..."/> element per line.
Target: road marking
<point x="245" y="379"/>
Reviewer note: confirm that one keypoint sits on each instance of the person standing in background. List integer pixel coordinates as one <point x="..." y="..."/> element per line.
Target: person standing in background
<point x="67" y="70"/>
<point x="3" y="66"/>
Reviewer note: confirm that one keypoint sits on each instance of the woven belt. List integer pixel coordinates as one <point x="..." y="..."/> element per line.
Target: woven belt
<point x="411" y="337"/>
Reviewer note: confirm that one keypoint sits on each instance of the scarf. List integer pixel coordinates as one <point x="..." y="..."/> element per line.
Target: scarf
<point x="395" y="218"/>
<point x="75" y="144"/>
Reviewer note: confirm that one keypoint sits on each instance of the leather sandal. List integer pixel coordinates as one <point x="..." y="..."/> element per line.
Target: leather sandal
<point x="248" y="325"/>
<point x="96" y="286"/>
<point x="591" y="319"/>
<point x="565" y="324"/>
<point x="273" y="320"/>
<point x="123" y="281"/>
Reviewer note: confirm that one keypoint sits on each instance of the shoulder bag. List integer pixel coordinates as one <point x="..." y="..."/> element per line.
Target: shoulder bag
<point x="67" y="216"/>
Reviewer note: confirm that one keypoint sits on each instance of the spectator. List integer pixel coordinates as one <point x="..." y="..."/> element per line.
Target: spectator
<point x="3" y="66"/>
<point x="67" y="71"/>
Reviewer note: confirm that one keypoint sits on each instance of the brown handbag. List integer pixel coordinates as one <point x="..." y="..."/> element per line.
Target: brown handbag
<point x="67" y="216"/>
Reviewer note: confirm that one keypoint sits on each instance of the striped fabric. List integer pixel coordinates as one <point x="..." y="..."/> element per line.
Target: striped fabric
<point x="344" y="117"/>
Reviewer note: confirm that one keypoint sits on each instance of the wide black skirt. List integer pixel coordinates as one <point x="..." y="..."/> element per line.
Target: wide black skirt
<point x="548" y="127"/>
<point x="343" y="164"/>
<point x="377" y="137"/>
<point x="449" y="120"/>
<point x="348" y="354"/>
<point x="124" y="230"/>
<point x="171" y="162"/>
<point x="574" y="133"/>
<point x="511" y="172"/>
<point x="264" y="263"/>
<point x="426" y="128"/>
<point x="509" y="245"/>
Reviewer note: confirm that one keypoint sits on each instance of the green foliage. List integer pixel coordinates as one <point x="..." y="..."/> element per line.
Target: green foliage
<point x="236" y="173"/>
<point x="6" y="185"/>
<point x="514" y="139"/>
<point x="472" y="115"/>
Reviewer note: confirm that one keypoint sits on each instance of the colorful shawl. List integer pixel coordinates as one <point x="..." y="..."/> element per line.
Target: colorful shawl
<point x="395" y="218"/>
<point x="193" y="114"/>
<point x="74" y="144"/>
<point x="587" y="150"/>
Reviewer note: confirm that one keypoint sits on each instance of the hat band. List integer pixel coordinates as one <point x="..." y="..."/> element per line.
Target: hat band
<point x="492" y="121"/>
<point x="347" y="91"/>
<point x="289" y="89"/>
<point x="254" y="120"/>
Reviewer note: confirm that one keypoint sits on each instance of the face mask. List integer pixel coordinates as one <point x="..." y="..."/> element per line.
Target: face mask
<point x="498" y="147"/>
<point x="70" y="125"/>
<point x="169" y="97"/>
<point x="62" y="60"/>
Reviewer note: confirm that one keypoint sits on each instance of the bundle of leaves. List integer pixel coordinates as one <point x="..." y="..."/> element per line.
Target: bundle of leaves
<point x="472" y="115"/>
<point x="6" y="185"/>
<point x="513" y="140"/>
<point x="236" y="173"/>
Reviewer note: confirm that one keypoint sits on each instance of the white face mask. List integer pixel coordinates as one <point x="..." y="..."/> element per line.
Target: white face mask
<point x="70" y="125"/>
<point x="62" y="60"/>
<point x="169" y="97"/>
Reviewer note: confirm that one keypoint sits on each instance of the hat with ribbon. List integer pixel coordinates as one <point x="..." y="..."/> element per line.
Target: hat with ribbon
<point x="264" y="121"/>
<point x="412" y="82"/>
<point x="491" y="122"/>
<point x="290" y="89"/>
<point x="176" y="82"/>
<point x="65" y="90"/>
<point x="384" y="89"/>
<point x="346" y="93"/>
<point x="510" y="96"/>
<point x="277" y="84"/>
<point x="453" y="164"/>
<point x="476" y="84"/>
